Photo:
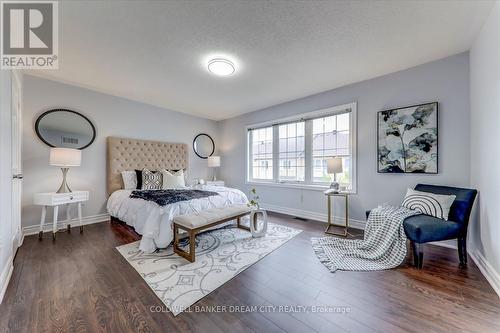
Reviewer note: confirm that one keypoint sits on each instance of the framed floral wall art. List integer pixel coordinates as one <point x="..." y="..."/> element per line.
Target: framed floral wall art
<point x="407" y="139"/>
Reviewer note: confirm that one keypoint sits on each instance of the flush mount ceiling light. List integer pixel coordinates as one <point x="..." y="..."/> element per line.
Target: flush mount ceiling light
<point x="221" y="67"/>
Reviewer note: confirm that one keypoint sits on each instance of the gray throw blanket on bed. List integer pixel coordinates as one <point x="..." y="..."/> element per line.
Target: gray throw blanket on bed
<point x="383" y="245"/>
<point x="165" y="197"/>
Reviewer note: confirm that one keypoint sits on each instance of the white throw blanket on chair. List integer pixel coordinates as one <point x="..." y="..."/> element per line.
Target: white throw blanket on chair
<point x="383" y="245"/>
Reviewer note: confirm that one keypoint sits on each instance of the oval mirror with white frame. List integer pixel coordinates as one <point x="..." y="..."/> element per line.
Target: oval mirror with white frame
<point x="203" y="145"/>
<point x="65" y="128"/>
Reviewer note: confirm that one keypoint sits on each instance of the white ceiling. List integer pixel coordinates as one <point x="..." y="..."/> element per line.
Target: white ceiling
<point x="155" y="51"/>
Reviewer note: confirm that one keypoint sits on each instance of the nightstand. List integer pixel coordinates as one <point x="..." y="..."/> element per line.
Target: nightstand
<point x="215" y="183"/>
<point x="55" y="200"/>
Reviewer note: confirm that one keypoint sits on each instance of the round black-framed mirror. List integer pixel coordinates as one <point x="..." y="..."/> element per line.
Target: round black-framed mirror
<point x="65" y="128"/>
<point x="203" y="145"/>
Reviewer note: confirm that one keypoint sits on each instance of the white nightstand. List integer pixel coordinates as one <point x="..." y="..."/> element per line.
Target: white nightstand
<point x="215" y="183"/>
<point x="57" y="199"/>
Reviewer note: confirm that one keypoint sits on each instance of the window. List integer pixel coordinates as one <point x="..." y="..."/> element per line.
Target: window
<point x="331" y="138"/>
<point x="262" y="153"/>
<point x="294" y="150"/>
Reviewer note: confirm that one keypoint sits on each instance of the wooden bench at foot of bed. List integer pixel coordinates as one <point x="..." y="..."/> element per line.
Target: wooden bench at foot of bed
<point x="197" y="222"/>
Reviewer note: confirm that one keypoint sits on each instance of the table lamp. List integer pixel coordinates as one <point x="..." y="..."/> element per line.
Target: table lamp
<point x="65" y="158"/>
<point x="334" y="166"/>
<point x="214" y="162"/>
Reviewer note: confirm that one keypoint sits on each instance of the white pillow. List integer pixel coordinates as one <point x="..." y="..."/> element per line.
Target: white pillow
<point x="436" y="205"/>
<point x="129" y="180"/>
<point x="173" y="180"/>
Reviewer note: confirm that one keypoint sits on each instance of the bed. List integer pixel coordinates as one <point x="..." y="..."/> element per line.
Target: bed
<point x="152" y="221"/>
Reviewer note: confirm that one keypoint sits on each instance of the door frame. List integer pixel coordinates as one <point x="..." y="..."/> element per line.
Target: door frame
<point x="16" y="160"/>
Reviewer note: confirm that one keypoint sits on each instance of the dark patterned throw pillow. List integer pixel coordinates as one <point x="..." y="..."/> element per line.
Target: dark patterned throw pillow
<point x="139" y="178"/>
<point x="151" y="180"/>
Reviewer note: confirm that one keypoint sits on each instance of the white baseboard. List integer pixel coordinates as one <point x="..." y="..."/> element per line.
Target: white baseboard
<point x="491" y="275"/>
<point x="19" y="238"/>
<point x="34" y="229"/>
<point x="5" y="277"/>
<point x="305" y="214"/>
<point x="445" y="244"/>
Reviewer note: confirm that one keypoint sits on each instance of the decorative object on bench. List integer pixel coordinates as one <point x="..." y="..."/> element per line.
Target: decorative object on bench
<point x="422" y="229"/>
<point x="407" y="139"/>
<point x="334" y="166"/>
<point x="254" y="216"/>
<point x="221" y="254"/>
<point x="383" y="245"/>
<point x="333" y="193"/>
<point x="197" y="222"/>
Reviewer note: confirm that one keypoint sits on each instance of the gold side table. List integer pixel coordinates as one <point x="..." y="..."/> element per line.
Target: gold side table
<point x="345" y="195"/>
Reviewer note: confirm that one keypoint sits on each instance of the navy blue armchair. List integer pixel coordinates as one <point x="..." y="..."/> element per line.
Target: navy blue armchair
<point x="422" y="229"/>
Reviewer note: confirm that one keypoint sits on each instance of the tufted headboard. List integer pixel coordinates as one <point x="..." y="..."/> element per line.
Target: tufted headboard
<point x="130" y="154"/>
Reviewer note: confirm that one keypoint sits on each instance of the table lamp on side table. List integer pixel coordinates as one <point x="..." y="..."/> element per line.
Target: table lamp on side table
<point x="334" y="166"/>
<point x="214" y="162"/>
<point x="65" y="158"/>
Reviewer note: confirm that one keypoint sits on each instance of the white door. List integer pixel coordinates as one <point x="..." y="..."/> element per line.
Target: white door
<point x="17" y="170"/>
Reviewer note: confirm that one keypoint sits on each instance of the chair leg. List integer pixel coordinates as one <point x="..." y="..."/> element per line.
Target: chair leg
<point x="414" y="253"/>
<point x="418" y="254"/>
<point x="462" y="250"/>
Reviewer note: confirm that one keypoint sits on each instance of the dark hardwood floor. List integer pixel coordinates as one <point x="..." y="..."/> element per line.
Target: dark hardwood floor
<point x="80" y="283"/>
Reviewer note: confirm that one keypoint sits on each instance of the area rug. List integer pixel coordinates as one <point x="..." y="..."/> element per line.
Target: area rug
<point x="221" y="254"/>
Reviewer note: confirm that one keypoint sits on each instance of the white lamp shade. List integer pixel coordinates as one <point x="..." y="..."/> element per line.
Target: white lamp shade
<point x="334" y="165"/>
<point x="65" y="157"/>
<point x="214" y="161"/>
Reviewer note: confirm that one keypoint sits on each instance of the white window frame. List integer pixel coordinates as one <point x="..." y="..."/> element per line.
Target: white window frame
<point x="308" y="182"/>
<point x="249" y="160"/>
<point x="278" y="158"/>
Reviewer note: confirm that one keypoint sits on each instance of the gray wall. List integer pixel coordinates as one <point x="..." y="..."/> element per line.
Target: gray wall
<point x="113" y="116"/>
<point x="445" y="81"/>
<point x="485" y="150"/>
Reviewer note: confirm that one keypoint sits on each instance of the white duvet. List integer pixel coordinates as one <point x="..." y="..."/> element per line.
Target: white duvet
<point x="154" y="222"/>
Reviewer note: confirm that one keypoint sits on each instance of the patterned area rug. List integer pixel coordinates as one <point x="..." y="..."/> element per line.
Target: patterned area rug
<point x="221" y="254"/>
